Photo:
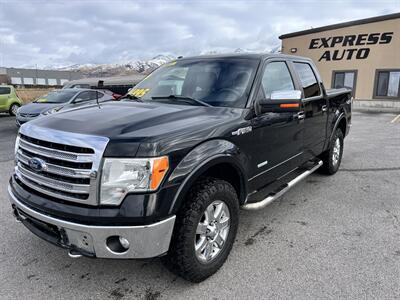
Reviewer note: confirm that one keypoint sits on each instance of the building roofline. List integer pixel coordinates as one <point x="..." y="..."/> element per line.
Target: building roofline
<point x="341" y="25"/>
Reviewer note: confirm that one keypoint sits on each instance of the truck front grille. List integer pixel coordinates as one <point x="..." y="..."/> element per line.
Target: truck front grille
<point x="66" y="171"/>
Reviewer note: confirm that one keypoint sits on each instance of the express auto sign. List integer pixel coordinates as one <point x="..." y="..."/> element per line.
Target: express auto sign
<point x="358" y="45"/>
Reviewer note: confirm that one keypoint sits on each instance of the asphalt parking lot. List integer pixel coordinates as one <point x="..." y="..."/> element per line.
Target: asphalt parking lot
<point x="329" y="237"/>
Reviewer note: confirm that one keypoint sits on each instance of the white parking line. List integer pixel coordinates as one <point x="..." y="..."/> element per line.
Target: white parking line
<point x="396" y="119"/>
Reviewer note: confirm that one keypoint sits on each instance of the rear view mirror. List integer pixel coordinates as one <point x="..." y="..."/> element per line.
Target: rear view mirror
<point x="282" y="101"/>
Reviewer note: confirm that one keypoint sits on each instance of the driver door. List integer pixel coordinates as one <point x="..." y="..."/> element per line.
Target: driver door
<point x="278" y="134"/>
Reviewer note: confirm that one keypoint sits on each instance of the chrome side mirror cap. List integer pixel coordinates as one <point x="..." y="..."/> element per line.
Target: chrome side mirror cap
<point x="292" y="95"/>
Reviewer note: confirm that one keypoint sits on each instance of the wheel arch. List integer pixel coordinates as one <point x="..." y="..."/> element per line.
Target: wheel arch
<point x="11" y="105"/>
<point x="340" y="123"/>
<point x="221" y="166"/>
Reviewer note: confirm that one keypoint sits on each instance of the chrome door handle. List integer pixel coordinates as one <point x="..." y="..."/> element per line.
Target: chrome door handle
<point x="300" y="115"/>
<point x="324" y="108"/>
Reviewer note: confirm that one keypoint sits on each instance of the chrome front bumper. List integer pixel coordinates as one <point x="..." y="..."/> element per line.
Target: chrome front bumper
<point x="145" y="241"/>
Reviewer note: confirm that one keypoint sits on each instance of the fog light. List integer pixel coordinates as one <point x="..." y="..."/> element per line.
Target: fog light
<point x="124" y="242"/>
<point x="117" y="244"/>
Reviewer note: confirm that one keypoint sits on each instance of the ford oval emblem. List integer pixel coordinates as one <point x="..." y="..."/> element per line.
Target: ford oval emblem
<point x="37" y="164"/>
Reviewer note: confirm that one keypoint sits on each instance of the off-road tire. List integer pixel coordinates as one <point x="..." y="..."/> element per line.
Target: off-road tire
<point x="11" y="110"/>
<point x="181" y="258"/>
<point x="329" y="167"/>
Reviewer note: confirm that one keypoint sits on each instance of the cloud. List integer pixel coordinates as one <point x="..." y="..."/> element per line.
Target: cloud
<point x="68" y="32"/>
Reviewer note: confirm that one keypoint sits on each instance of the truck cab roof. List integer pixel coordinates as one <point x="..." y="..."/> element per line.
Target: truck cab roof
<point x="257" y="56"/>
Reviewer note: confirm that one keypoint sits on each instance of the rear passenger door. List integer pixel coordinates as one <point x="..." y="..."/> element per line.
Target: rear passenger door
<point x="315" y="108"/>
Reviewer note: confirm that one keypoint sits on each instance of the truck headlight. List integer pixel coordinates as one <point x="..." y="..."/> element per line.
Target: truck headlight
<point x="121" y="176"/>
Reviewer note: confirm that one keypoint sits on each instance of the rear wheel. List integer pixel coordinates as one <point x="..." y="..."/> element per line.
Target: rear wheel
<point x="13" y="109"/>
<point x="333" y="156"/>
<point x="205" y="230"/>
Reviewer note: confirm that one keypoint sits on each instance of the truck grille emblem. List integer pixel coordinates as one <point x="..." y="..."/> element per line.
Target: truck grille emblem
<point x="37" y="164"/>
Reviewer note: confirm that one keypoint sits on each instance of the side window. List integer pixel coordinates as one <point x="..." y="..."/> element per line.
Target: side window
<point x="308" y="80"/>
<point x="276" y="78"/>
<point x="5" y="90"/>
<point x="85" y="96"/>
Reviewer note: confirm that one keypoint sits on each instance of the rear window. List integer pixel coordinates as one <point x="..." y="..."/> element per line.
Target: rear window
<point x="5" y="90"/>
<point x="308" y="80"/>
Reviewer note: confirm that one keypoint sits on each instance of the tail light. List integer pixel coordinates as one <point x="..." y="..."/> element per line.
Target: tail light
<point x="116" y="96"/>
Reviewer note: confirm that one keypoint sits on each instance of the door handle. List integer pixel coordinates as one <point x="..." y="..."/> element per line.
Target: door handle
<point x="300" y="115"/>
<point x="324" y="108"/>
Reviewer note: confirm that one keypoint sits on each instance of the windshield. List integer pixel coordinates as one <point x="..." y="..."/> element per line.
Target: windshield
<point x="62" y="96"/>
<point x="216" y="82"/>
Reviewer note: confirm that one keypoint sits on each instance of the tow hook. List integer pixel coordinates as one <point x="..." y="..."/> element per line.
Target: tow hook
<point x="74" y="253"/>
<point x="16" y="215"/>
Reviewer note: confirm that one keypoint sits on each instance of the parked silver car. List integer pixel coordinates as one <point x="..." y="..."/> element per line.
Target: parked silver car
<point x="58" y="100"/>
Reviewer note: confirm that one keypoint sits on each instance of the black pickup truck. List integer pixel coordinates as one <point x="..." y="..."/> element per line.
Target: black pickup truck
<point x="165" y="171"/>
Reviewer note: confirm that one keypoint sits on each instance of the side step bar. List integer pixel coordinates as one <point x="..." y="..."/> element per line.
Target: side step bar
<point x="263" y="203"/>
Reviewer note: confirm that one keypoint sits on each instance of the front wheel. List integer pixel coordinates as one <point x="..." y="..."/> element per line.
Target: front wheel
<point x="205" y="230"/>
<point x="13" y="109"/>
<point x="333" y="156"/>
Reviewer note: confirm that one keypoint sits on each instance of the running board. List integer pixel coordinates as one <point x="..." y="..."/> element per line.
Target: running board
<point x="263" y="203"/>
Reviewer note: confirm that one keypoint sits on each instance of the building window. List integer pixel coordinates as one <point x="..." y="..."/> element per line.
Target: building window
<point x="345" y="79"/>
<point x="52" y="81"/>
<point x="387" y="84"/>
<point x="28" y="80"/>
<point x="16" y="80"/>
<point x="41" y="81"/>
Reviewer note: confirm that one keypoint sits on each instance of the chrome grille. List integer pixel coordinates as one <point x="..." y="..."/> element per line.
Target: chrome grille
<point x="67" y="172"/>
<point x="26" y="115"/>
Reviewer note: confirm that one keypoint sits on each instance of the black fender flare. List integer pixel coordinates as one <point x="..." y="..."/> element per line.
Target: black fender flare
<point x="335" y="126"/>
<point x="199" y="160"/>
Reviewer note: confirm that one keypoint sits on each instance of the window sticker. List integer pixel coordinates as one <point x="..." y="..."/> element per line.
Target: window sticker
<point x="138" y="92"/>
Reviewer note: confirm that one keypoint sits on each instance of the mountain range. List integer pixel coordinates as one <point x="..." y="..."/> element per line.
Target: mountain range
<point x="134" y="66"/>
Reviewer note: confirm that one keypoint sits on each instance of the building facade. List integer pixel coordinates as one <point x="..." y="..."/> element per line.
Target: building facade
<point x="363" y="55"/>
<point x="36" y="77"/>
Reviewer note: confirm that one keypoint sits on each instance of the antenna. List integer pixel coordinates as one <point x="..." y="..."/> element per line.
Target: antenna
<point x="100" y="84"/>
<point x="97" y="99"/>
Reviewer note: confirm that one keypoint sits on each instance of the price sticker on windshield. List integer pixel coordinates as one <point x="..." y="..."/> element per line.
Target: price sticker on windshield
<point x="138" y="92"/>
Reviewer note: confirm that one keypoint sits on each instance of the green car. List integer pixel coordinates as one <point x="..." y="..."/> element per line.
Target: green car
<point x="9" y="101"/>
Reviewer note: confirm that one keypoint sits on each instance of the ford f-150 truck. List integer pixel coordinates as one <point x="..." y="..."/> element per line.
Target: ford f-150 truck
<point x="165" y="171"/>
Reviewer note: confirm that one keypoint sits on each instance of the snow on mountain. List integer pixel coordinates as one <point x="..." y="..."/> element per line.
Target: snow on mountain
<point x="130" y="67"/>
<point x="140" y="66"/>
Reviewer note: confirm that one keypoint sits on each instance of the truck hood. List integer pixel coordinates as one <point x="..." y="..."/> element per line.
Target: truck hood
<point x="134" y="122"/>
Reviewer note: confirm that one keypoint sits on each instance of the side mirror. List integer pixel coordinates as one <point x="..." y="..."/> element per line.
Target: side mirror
<point x="282" y="101"/>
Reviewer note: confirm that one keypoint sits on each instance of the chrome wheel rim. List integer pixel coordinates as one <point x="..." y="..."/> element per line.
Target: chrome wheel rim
<point x="336" y="152"/>
<point x="212" y="231"/>
<point x="14" y="109"/>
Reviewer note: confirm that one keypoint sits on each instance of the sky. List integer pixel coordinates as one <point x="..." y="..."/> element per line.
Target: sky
<point x="61" y="33"/>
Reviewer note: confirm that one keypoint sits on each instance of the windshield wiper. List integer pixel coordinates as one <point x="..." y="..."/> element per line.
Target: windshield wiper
<point x="131" y="97"/>
<point x="182" y="98"/>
